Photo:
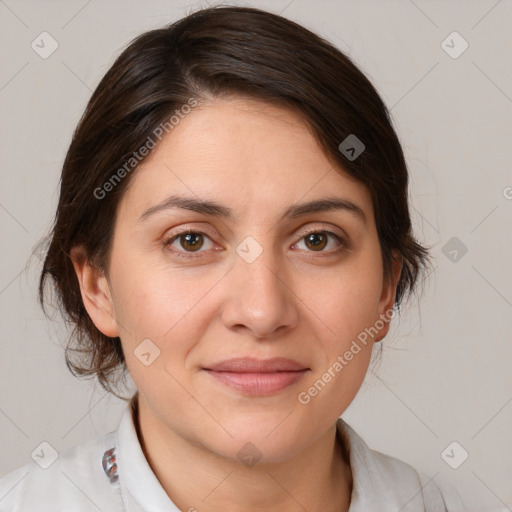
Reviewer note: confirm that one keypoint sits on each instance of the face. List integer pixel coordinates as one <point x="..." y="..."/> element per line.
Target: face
<point x="205" y="301"/>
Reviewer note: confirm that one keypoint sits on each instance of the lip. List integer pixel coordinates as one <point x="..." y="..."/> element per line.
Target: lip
<point x="253" y="365"/>
<point x="258" y="376"/>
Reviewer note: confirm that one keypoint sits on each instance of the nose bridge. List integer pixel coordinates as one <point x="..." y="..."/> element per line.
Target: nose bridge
<point x="262" y="299"/>
<point x="259" y="268"/>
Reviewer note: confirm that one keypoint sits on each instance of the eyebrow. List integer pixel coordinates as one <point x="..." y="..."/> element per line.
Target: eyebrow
<point x="217" y="210"/>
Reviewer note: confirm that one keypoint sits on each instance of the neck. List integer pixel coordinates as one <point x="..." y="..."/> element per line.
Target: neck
<point x="317" y="479"/>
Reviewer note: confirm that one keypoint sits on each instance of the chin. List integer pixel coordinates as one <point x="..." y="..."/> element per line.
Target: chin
<point x="270" y="439"/>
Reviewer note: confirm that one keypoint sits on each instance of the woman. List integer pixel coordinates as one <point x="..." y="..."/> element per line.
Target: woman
<point x="233" y="230"/>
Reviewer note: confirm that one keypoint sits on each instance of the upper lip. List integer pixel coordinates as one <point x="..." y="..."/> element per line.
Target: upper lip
<point x="252" y="365"/>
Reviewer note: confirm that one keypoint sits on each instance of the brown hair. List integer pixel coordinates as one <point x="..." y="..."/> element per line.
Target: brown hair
<point x="215" y="52"/>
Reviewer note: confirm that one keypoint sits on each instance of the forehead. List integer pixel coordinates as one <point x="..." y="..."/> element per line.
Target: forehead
<point x="251" y="155"/>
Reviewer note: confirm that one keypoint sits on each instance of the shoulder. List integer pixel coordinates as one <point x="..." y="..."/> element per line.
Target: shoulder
<point x="55" y="482"/>
<point x="433" y="493"/>
<point x="385" y="482"/>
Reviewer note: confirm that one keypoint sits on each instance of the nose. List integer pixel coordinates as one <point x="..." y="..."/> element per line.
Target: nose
<point x="260" y="297"/>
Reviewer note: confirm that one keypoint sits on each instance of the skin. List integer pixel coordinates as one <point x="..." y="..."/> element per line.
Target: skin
<point x="294" y="301"/>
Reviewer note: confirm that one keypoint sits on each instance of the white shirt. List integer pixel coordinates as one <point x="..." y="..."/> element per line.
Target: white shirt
<point x="111" y="474"/>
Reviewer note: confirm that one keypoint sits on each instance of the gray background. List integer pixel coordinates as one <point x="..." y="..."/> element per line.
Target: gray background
<point x="445" y="374"/>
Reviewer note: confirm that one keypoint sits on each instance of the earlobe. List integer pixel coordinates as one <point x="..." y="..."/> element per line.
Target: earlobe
<point x="95" y="292"/>
<point x="387" y="299"/>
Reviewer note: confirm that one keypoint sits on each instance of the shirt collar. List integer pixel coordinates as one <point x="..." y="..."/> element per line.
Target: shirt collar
<point x="140" y="488"/>
<point x="376" y="481"/>
<point x="380" y="482"/>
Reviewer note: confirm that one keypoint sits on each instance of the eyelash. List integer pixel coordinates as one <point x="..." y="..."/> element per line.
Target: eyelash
<point x="186" y="255"/>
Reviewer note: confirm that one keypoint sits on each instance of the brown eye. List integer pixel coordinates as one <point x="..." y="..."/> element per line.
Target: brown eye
<point x="316" y="241"/>
<point x="193" y="241"/>
<point x="186" y="243"/>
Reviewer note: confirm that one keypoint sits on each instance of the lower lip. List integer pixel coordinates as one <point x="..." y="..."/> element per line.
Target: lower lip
<point x="258" y="383"/>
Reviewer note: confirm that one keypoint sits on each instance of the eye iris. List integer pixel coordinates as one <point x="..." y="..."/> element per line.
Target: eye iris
<point x="313" y="239"/>
<point x="190" y="237"/>
<point x="194" y="241"/>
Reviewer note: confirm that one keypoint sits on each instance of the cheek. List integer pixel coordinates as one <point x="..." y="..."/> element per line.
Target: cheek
<point x="345" y="308"/>
<point x="346" y="301"/>
<point x="344" y="313"/>
<point x="162" y="319"/>
<point x="164" y="306"/>
<point x="153" y="297"/>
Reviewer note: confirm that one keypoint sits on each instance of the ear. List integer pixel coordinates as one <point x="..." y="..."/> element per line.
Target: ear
<point x="387" y="298"/>
<point x="95" y="292"/>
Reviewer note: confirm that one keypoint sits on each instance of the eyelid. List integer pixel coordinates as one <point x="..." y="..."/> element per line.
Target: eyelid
<point x="302" y="231"/>
<point x="328" y="228"/>
<point x="168" y="240"/>
<point x="342" y="239"/>
<point x="331" y="230"/>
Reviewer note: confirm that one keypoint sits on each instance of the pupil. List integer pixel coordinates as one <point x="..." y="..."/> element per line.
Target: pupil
<point x="315" y="241"/>
<point x="192" y="236"/>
